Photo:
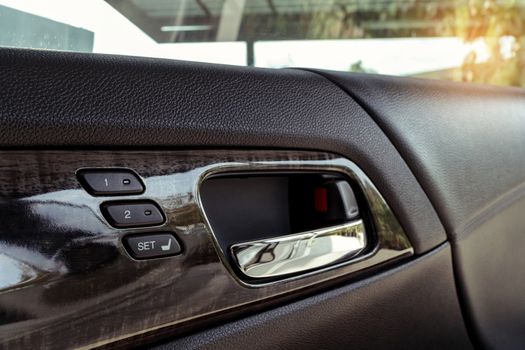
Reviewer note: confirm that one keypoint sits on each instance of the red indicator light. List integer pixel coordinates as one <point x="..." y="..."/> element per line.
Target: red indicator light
<point x="320" y="199"/>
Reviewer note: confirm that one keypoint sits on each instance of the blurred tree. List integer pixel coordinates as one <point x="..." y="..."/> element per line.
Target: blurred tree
<point x="496" y="27"/>
<point x="500" y="25"/>
<point x="359" y="68"/>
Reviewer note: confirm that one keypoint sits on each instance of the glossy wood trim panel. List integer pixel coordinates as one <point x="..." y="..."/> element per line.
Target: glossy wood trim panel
<point x="66" y="280"/>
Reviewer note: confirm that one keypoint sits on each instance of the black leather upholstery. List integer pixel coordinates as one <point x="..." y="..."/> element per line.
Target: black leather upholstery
<point x="491" y="262"/>
<point x="466" y="144"/>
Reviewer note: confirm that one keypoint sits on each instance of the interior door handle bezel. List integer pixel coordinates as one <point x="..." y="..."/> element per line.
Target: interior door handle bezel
<point x="387" y="241"/>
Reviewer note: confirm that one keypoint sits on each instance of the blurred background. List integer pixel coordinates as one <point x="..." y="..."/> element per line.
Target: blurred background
<point x="481" y="41"/>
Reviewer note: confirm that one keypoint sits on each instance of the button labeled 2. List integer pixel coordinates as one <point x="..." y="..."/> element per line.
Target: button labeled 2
<point x="152" y="245"/>
<point x="132" y="214"/>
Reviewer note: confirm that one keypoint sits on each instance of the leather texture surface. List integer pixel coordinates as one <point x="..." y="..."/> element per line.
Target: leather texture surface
<point x="464" y="142"/>
<point x="491" y="263"/>
<point x="466" y="145"/>
<point x="411" y="307"/>
<point x="53" y="99"/>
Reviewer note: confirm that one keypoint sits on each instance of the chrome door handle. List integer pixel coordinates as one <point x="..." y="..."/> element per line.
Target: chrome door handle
<point x="300" y="252"/>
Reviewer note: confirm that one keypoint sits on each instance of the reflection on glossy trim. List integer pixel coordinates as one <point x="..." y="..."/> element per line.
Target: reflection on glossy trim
<point x="300" y="252"/>
<point x="68" y="270"/>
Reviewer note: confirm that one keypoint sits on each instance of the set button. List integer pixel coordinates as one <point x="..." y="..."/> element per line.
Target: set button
<point x="152" y="245"/>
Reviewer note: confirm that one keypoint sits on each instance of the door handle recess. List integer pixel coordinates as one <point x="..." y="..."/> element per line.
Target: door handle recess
<point x="300" y="252"/>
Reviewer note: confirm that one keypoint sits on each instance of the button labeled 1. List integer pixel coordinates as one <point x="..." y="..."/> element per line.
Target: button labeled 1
<point x="152" y="245"/>
<point x="132" y="214"/>
<point x="110" y="182"/>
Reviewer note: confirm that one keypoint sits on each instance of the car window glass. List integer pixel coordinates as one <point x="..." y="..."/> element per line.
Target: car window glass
<point x="469" y="40"/>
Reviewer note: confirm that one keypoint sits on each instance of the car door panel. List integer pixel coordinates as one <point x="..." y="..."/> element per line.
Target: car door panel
<point x="79" y="100"/>
<point x="435" y="151"/>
